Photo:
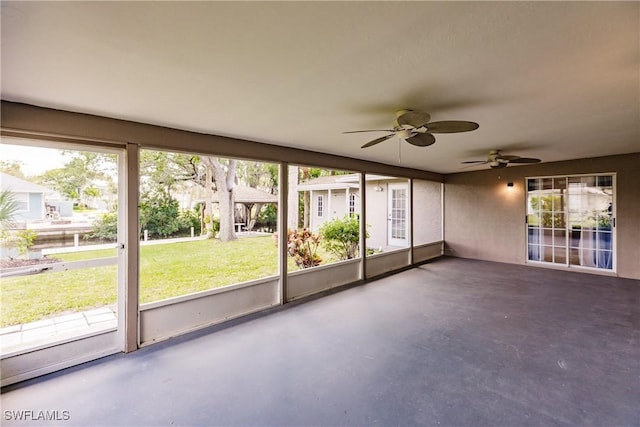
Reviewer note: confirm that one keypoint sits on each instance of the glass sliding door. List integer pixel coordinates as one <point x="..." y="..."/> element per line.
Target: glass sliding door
<point x="546" y="224"/>
<point x="591" y="221"/>
<point x="570" y="220"/>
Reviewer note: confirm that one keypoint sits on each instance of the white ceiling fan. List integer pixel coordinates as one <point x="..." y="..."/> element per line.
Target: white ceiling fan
<point x="497" y="160"/>
<point x="415" y="128"/>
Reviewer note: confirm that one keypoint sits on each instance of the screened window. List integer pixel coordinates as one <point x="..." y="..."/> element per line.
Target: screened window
<point x="198" y="231"/>
<point x="328" y="220"/>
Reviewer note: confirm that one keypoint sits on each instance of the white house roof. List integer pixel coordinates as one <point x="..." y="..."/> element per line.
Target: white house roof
<point x="244" y="194"/>
<point x="19" y="185"/>
<point x="335" y="182"/>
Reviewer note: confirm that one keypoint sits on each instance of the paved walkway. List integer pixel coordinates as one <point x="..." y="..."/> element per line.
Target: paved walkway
<point x="47" y="331"/>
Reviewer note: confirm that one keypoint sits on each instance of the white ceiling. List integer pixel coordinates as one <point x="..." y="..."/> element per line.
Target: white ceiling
<point x="554" y="80"/>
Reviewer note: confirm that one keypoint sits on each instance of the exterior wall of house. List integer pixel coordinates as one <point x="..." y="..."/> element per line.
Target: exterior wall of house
<point x="334" y="206"/>
<point x="376" y="214"/>
<point x="35" y="207"/>
<point x="338" y="204"/>
<point x="315" y="220"/>
<point x="485" y="221"/>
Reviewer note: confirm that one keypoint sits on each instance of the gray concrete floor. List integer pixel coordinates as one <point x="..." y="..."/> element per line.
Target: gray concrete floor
<point x="452" y="343"/>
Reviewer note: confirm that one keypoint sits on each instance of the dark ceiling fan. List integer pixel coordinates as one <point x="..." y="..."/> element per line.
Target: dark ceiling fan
<point x="497" y="160"/>
<point x="415" y="128"/>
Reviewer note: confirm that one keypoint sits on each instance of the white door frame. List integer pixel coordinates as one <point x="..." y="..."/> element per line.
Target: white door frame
<point x="45" y="358"/>
<point x="399" y="215"/>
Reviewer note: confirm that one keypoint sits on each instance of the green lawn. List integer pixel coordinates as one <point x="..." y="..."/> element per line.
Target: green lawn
<point x="166" y="271"/>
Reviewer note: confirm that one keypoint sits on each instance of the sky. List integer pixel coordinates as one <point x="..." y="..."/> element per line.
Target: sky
<point x="34" y="160"/>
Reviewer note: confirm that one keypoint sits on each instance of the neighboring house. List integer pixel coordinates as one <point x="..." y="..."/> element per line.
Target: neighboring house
<point x="335" y="196"/>
<point x="30" y="197"/>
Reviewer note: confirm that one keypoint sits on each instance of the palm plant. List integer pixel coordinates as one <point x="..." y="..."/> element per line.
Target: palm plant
<point x="8" y="208"/>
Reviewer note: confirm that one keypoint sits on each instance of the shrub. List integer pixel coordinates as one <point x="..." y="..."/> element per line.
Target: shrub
<point x="302" y="245"/>
<point x="187" y="219"/>
<point x="105" y="228"/>
<point x="342" y="236"/>
<point x="159" y="214"/>
<point x="267" y="217"/>
<point x="22" y="240"/>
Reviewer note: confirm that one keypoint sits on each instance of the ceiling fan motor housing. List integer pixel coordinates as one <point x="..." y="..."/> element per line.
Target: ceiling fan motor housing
<point x="405" y="133"/>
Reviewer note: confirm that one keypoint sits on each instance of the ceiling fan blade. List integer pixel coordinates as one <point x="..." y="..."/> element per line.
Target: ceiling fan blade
<point x="377" y="140"/>
<point x="525" y="160"/>
<point x="422" y="140"/>
<point x="451" y="126"/>
<point x="414" y="118"/>
<point x="369" y="130"/>
<point x="479" y="162"/>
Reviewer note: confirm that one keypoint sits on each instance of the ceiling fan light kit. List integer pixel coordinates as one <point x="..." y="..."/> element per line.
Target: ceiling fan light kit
<point x="415" y="128"/>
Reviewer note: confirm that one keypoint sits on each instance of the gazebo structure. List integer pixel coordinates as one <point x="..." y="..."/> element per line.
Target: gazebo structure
<point x="246" y="198"/>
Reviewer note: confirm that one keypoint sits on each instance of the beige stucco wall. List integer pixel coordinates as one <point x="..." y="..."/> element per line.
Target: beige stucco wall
<point x="485" y="221"/>
<point x="427" y="212"/>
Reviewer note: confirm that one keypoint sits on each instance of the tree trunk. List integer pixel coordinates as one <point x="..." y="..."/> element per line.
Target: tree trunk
<point x="209" y="203"/>
<point x="225" y="183"/>
<point x="253" y="215"/>
<point x="293" y="203"/>
<point x="306" y="199"/>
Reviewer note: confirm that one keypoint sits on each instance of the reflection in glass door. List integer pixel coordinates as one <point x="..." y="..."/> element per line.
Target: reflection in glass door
<point x="591" y="221"/>
<point x="546" y="225"/>
<point x="570" y="221"/>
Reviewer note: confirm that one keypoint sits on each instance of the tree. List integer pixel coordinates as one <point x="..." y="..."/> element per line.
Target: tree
<point x="223" y="173"/>
<point x="12" y="167"/>
<point x="77" y="178"/>
<point x="545" y="205"/>
<point x="164" y="171"/>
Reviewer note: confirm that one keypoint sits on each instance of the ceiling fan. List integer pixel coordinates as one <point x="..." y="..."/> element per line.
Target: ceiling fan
<point x="414" y="127"/>
<point x="497" y="160"/>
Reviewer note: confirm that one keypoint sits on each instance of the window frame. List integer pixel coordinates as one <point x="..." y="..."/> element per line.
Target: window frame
<point x="568" y="228"/>
<point x="320" y="206"/>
